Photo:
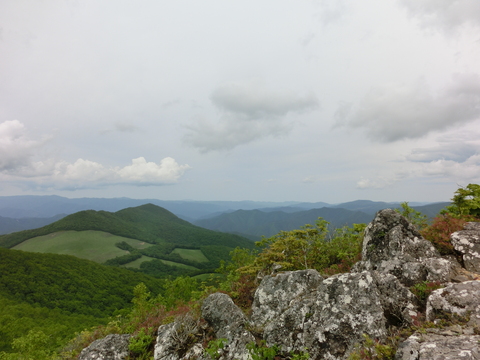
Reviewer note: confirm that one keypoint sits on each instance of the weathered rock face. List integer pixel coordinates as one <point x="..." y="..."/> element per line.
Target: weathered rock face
<point x="467" y="242"/>
<point x="276" y="293"/>
<point x="228" y="322"/>
<point x="330" y="320"/>
<point x="392" y="245"/>
<point x="442" y="347"/>
<point x="112" y="347"/>
<point x="461" y="299"/>
<point x="174" y="339"/>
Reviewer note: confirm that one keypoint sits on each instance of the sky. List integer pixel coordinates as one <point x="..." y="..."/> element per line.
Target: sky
<point x="272" y="100"/>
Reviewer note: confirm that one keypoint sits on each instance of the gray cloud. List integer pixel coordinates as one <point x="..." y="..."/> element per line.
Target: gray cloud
<point x="331" y="11"/>
<point x="249" y="112"/>
<point x="254" y="100"/>
<point x="398" y="112"/>
<point x="444" y="14"/>
<point x="455" y="152"/>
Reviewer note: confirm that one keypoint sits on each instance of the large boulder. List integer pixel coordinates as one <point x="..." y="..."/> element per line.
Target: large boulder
<point x="393" y="245"/>
<point x="329" y="321"/>
<point x="111" y="347"/>
<point x="228" y="322"/>
<point x="442" y="347"/>
<point x="467" y="242"/>
<point x="276" y="293"/>
<point x="461" y="299"/>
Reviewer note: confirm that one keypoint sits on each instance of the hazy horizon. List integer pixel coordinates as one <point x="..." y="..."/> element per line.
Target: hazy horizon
<point x="310" y="101"/>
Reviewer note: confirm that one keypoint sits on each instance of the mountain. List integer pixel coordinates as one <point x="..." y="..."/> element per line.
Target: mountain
<point x="9" y="225"/>
<point x="172" y="242"/>
<point x="261" y="223"/>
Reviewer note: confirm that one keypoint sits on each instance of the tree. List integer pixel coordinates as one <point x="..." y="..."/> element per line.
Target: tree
<point x="415" y="217"/>
<point x="466" y="201"/>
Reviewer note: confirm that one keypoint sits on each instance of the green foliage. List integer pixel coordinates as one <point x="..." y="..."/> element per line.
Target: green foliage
<point x="423" y="290"/>
<point x="261" y="351"/>
<point x="33" y="346"/>
<point x="415" y="217"/>
<point x="123" y="245"/>
<point x="125" y="259"/>
<point x="466" y="201"/>
<point x="68" y="283"/>
<point x="214" y="347"/>
<point x="372" y="349"/>
<point x="309" y="248"/>
<point x="140" y="343"/>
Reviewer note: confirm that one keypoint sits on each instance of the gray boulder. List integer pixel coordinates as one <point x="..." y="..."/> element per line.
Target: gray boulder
<point x="228" y="322"/>
<point x="276" y="293"/>
<point x="461" y="299"/>
<point x="467" y="242"/>
<point x="111" y="347"/>
<point x="393" y="245"/>
<point x="329" y="321"/>
<point x="176" y="341"/>
<point x="441" y="347"/>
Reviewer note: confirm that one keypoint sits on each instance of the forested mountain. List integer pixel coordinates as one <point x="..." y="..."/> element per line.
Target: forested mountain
<point x="61" y="294"/>
<point x="175" y="246"/>
<point x="261" y="223"/>
<point x="9" y="225"/>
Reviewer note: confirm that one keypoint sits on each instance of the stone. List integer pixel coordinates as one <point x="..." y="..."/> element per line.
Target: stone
<point x="329" y="322"/>
<point x="441" y="347"/>
<point x="393" y="245"/>
<point x="228" y="322"/>
<point x="174" y="340"/>
<point x="467" y="242"/>
<point x="111" y="347"/>
<point x="461" y="299"/>
<point x="276" y="293"/>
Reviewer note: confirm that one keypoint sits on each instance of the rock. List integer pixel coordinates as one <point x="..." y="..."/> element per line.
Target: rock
<point x="228" y="322"/>
<point x="175" y="341"/>
<point x="434" y="346"/>
<point x="329" y="321"/>
<point x="276" y="293"/>
<point x="467" y="242"/>
<point x="461" y="299"/>
<point x="111" y="347"/>
<point x="393" y="245"/>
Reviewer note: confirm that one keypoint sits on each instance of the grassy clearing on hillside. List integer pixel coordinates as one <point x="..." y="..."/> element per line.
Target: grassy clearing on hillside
<point x="183" y="266"/>
<point x="98" y="246"/>
<point x="136" y="263"/>
<point x="191" y="254"/>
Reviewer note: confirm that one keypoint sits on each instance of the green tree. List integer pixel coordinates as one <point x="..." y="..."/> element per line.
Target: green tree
<point x="415" y="217"/>
<point x="466" y="201"/>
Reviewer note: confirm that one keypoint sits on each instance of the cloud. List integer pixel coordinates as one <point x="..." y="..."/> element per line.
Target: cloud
<point x="398" y="112"/>
<point x="444" y="14"/>
<point x="249" y="111"/>
<point x="16" y="164"/>
<point x="125" y="127"/>
<point x="252" y="99"/>
<point x="331" y="11"/>
<point x="16" y="149"/>
<point x="458" y="152"/>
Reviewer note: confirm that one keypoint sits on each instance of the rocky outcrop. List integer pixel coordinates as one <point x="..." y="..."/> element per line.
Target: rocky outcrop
<point x="393" y="245"/>
<point x="300" y="311"/>
<point x="467" y="242"/>
<point x="329" y="321"/>
<point x="432" y="346"/>
<point x="228" y="322"/>
<point x="112" y="347"/>
<point x="461" y="299"/>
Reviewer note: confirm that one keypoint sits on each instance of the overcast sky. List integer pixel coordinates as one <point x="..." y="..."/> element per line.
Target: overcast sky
<point x="272" y="100"/>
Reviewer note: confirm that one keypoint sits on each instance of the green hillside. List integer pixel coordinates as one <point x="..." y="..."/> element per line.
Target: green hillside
<point x="115" y="238"/>
<point x="60" y="294"/>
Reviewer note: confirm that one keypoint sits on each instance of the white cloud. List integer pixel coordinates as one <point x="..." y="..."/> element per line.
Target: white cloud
<point x="398" y="112"/>
<point x="249" y="112"/>
<point x="444" y="14"/>
<point x="16" y="154"/>
<point x="16" y="149"/>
